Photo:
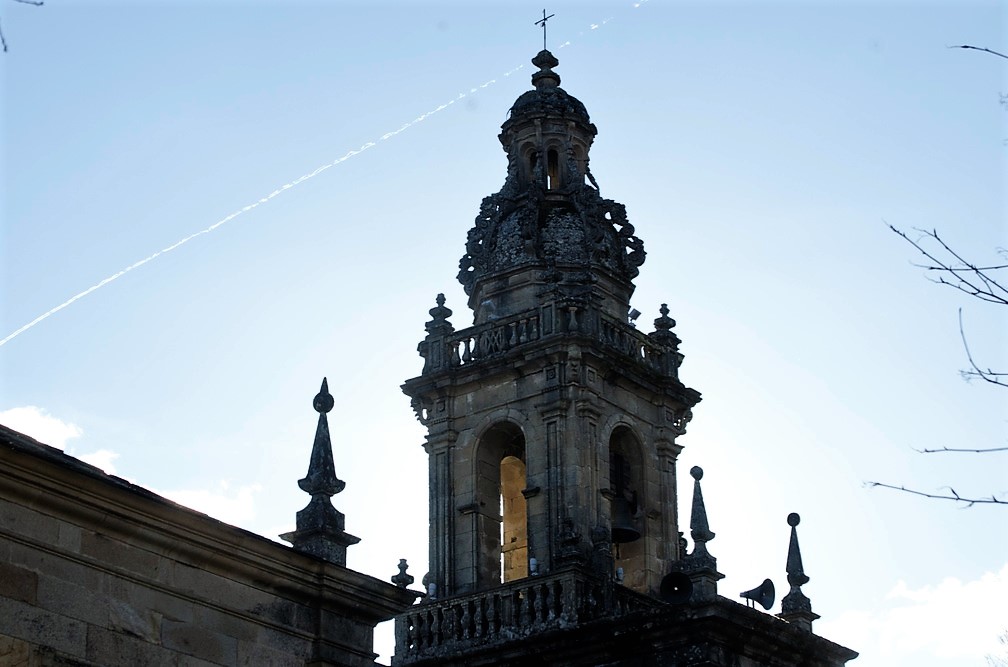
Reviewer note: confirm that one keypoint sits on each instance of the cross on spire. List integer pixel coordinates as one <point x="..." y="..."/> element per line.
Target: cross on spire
<point x="542" y="22"/>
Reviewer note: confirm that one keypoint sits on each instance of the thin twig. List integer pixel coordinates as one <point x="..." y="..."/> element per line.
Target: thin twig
<point x="988" y="375"/>
<point x="967" y="46"/>
<point x="985" y="450"/>
<point x="988" y="289"/>
<point x="970" y="502"/>
<point x="36" y="3"/>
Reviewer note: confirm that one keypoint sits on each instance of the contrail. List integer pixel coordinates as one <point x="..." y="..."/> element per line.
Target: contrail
<point x="245" y="209"/>
<point x="283" y="188"/>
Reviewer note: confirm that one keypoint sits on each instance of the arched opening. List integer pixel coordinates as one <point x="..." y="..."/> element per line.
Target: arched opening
<point x="552" y="169"/>
<point x="514" y="520"/>
<point x="531" y="159"/>
<point x="502" y="539"/>
<point x="582" y="175"/>
<point x="626" y="481"/>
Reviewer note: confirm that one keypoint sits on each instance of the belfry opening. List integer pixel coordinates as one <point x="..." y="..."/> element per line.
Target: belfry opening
<point x="503" y="519"/>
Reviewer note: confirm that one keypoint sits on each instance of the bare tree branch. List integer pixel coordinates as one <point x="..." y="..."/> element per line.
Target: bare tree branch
<point x="980" y="282"/>
<point x="986" y="375"/>
<point x="36" y="3"/>
<point x="970" y="502"/>
<point x="985" y="450"/>
<point x="967" y="277"/>
<point x="967" y="46"/>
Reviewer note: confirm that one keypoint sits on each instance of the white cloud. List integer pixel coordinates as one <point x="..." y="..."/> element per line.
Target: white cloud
<point x="236" y="507"/>
<point x="102" y="458"/>
<point x="37" y="423"/>
<point x="949" y="623"/>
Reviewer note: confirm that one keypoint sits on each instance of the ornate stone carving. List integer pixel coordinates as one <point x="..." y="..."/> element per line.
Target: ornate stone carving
<point x="567" y="224"/>
<point x="679" y="419"/>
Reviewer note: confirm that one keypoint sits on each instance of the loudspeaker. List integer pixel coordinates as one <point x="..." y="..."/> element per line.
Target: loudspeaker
<point x="764" y="594"/>
<point x="676" y="588"/>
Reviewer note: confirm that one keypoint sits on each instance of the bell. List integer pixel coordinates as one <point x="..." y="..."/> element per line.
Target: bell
<point x="623" y="528"/>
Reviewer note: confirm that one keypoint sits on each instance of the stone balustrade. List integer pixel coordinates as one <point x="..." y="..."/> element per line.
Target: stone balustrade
<point x="494" y="339"/>
<point x="509" y="612"/>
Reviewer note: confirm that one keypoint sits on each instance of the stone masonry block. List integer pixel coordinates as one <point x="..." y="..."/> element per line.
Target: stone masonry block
<point x="286" y="614"/>
<point x="144" y="624"/>
<point x="115" y="553"/>
<point x="68" y="599"/>
<point x="69" y="537"/>
<point x="275" y="641"/>
<point x="15" y="652"/>
<point x="23" y="621"/>
<point x="18" y="583"/>
<point x="253" y="654"/>
<point x="199" y="642"/>
<point x="114" y="649"/>
<point x="144" y="599"/>
<point x="20" y="520"/>
<point x="55" y="566"/>
<point x="228" y="624"/>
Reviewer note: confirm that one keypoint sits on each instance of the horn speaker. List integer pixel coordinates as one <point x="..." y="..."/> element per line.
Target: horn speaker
<point x="676" y="588"/>
<point x="763" y="594"/>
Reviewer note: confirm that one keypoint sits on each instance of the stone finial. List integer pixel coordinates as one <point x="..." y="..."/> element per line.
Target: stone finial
<point x="545" y="77"/>
<point x="664" y="336"/>
<point x="402" y="580"/>
<point x="320" y="525"/>
<point x="439" y="324"/>
<point x="699" y="528"/>
<point x="321" y="477"/>
<point x="796" y="608"/>
<point x="664" y="323"/>
<point x="700" y="565"/>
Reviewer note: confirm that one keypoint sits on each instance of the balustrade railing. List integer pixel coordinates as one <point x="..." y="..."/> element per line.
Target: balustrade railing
<point x="494" y="339"/>
<point x="508" y="612"/>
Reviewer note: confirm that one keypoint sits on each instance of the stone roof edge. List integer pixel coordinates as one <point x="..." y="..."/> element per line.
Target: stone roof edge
<point x="731" y="610"/>
<point x="212" y="544"/>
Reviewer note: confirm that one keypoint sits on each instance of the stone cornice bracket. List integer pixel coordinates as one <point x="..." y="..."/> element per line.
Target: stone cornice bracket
<point x="796" y="608"/>
<point x="700" y="566"/>
<point x="320" y="525"/>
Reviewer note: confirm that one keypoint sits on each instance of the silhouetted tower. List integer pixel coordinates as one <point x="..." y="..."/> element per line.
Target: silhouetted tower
<point x="551" y="435"/>
<point x="553" y="418"/>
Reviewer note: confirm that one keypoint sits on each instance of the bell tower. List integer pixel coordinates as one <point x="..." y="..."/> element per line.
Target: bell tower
<point x="552" y="420"/>
<point x="551" y="438"/>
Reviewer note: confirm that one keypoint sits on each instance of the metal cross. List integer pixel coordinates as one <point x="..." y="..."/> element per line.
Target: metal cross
<point x="542" y="22"/>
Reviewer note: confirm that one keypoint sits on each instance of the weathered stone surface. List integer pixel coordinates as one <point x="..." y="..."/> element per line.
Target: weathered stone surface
<point x="18" y="583"/>
<point x="96" y="571"/>
<point x="199" y="641"/>
<point x="15" y="652"/>
<point x="24" y="621"/>
<point x="68" y="599"/>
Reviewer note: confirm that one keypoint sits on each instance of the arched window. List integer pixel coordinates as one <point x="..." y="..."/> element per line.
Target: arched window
<point x="531" y="159"/>
<point x="552" y="170"/>
<point x="502" y="540"/>
<point x="626" y="481"/>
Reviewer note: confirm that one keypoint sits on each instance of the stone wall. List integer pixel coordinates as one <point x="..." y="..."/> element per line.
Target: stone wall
<point x="97" y="571"/>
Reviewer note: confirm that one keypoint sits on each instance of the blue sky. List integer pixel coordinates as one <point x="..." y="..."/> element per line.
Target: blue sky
<point x="760" y="149"/>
